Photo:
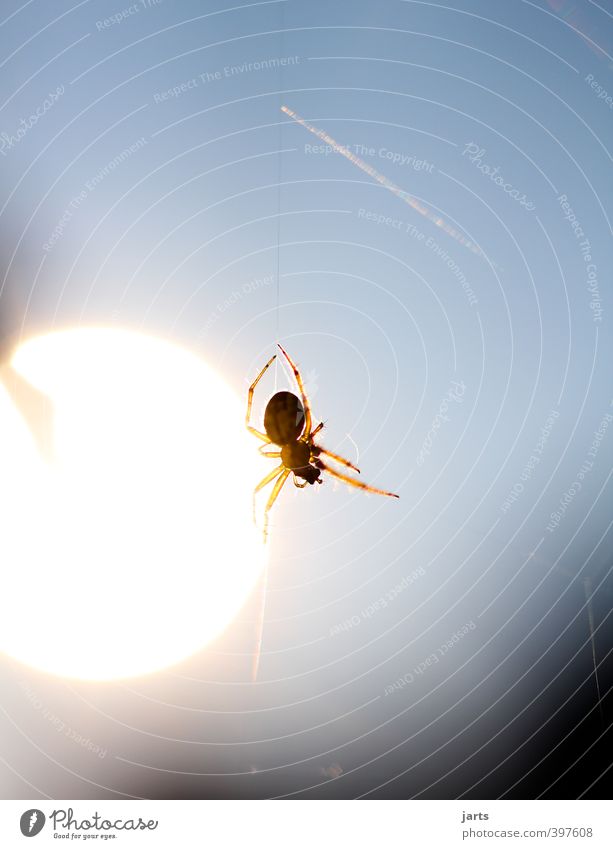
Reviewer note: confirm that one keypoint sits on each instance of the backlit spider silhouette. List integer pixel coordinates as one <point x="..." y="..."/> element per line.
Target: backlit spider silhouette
<point x="287" y="422"/>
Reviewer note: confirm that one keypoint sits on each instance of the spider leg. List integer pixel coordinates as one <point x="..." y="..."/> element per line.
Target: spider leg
<point x="273" y="497"/>
<point x="316" y="430"/>
<point x="299" y="485"/>
<point x="350" y="482"/>
<point x="250" y="428"/>
<point x="336" y="457"/>
<point x="305" y="400"/>
<point x="269" y="477"/>
<point x="265" y="453"/>
<point x="259" y="434"/>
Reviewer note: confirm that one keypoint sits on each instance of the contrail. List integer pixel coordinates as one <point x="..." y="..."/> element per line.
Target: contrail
<point x="372" y="172"/>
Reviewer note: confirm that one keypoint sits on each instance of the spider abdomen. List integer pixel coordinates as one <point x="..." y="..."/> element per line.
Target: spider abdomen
<point x="284" y="418"/>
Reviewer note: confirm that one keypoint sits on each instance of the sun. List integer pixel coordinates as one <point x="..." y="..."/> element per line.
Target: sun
<point x="127" y="539"/>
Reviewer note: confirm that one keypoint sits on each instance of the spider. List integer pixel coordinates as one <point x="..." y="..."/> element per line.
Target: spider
<point x="287" y="422"/>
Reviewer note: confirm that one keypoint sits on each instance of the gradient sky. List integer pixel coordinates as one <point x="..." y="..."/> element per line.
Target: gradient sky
<point x="224" y="230"/>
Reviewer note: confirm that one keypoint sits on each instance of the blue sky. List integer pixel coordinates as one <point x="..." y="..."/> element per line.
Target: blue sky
<point x="220" y="226"/>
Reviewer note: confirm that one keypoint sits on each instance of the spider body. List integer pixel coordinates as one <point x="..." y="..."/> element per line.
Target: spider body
<point x="287" y="422"/>
<point x="284" y="421"/>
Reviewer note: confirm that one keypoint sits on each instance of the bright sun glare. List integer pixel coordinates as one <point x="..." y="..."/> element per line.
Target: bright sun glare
<point x="134" y="546"/>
